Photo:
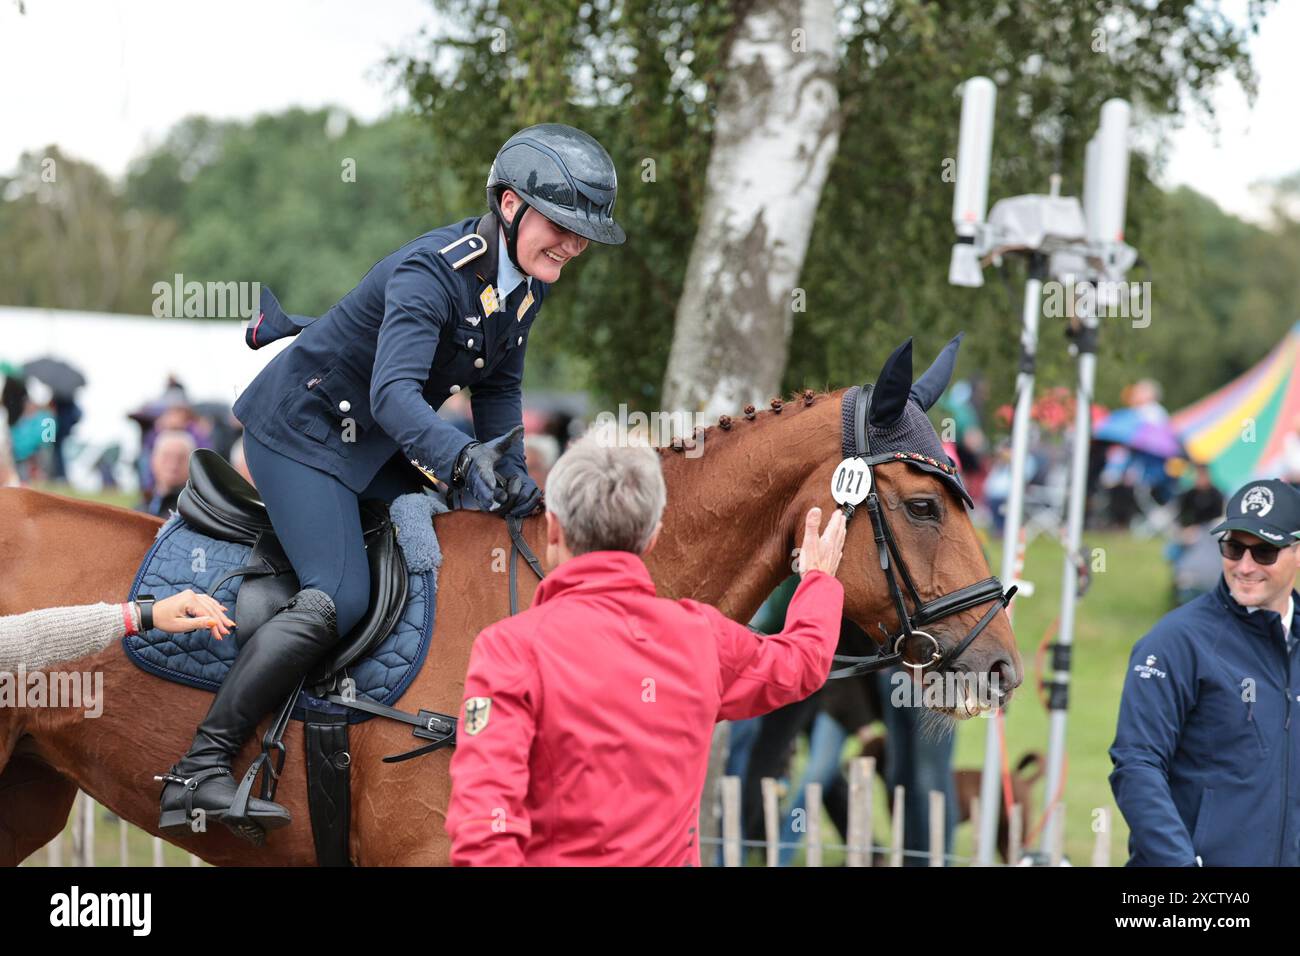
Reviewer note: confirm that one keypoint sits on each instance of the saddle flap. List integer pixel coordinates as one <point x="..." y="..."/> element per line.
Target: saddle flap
<point x="218" y="501"/>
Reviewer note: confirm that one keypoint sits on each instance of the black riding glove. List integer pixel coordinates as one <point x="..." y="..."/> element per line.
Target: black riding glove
<point x="522" y="496"/>
<point x="475" y="470"/>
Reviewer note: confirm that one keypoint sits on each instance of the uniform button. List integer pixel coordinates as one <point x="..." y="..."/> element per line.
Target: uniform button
<point x="455" y="389"/>
<point x="345" y="406"/>
<point x="469" y="343"/>
<point x="478" y="363"/>
<point x="519" y="341"/>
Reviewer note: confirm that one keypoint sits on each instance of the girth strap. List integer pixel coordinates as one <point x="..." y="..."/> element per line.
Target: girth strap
<point x="428" y="724"/>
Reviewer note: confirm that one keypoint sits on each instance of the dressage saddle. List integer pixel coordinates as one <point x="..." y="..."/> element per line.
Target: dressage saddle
<point x="218" y="502"/>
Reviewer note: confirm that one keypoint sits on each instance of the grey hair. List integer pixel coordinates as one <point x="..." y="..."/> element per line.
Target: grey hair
<point x="607" y="493"/>
<point x="177" y="435"/>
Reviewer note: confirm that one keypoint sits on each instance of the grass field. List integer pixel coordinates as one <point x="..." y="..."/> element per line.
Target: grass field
<point x="1123" y="602"/>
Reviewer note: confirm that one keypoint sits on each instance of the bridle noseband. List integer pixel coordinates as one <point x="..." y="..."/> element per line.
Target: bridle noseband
<point x="902" y="647"/>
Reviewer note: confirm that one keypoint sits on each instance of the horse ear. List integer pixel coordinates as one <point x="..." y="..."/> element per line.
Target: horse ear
<point x="932" y="383"/>
<point x="892" y="386"/>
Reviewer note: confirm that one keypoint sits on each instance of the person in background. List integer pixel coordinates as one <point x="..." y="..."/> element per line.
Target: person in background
<point x="1200" y="504"/>
<point x="170" y="466"/>
<point x="45" y="637"/>
<point x="1291" y="453"/>
<point x="238" y="462"/>
<point x="1203" y="751"/>
<point x="176" y="415"/>
<point x="34" y="432"/>
<point x="8" y="470"/>
<point x="540" y="452"/>
<point x="920" y="761"/>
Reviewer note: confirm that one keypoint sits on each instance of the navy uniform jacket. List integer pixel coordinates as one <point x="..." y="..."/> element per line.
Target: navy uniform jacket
<point x="1206" y="763"/>
<point x="366" y="378"/>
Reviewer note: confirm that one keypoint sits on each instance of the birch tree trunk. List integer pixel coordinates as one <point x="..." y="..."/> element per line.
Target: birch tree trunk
<point x="776" y="132"/>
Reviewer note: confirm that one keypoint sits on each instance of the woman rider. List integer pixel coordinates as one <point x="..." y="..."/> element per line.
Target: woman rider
<point x="336" y="417"/>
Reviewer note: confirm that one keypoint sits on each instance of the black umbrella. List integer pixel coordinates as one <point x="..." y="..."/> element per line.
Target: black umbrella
<point x="63" y="380"/>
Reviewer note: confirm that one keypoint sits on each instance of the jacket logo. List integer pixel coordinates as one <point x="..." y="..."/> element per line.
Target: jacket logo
<point x="1149" y="670"/>
<point x="1258" y="499"/>
<point x="477" y="711"/>
<point x="473" y="320"/>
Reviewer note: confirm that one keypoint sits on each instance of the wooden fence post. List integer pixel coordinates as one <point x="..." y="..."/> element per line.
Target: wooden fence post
<point x="862" y="773"/>
<point x="1057" y="848"/>
<point x="1101" y="843"/>
<point x="731" y="835"/>
<point x="813" y="830"/>
<point x="771" y="821"/>
<point x="896" y="830"/>
<point x="1016" y="821"/>
<point x="938" y="826"/>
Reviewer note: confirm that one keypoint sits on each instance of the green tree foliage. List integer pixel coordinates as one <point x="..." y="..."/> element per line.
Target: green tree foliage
<point x="303" y="201"/>
<point x="640" y="76"/>
<point x="68" y="240"/>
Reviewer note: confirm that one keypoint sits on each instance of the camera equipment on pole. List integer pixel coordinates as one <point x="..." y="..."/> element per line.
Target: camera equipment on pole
<point x="1071" y="244"/>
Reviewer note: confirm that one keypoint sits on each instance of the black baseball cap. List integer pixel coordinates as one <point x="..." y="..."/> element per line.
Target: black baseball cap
<point x="1268" y="509"/>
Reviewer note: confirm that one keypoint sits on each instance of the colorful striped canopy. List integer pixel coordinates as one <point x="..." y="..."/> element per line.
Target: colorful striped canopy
<point x="1240" y="430"/>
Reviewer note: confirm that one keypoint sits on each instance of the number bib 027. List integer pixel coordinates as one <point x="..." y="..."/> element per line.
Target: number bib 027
<point x="851" y="482"/>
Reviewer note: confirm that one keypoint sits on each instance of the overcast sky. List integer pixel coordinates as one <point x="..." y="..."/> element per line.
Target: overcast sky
<point x="105" y="78"/>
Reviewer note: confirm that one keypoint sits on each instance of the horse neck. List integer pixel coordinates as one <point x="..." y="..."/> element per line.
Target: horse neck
<point x="733" y="510"/>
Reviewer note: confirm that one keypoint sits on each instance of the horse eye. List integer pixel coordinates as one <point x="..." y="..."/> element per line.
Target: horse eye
<point x="922" y="509"/>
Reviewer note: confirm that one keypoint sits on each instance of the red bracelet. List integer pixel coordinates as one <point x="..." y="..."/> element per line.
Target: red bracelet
<point x="126" y="618"/>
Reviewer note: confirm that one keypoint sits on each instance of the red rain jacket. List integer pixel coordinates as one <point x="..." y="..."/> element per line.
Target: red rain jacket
<point x="585" y="729"/>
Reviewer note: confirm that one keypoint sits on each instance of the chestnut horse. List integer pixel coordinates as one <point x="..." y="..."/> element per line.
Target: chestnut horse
<point x="728" y="539"/>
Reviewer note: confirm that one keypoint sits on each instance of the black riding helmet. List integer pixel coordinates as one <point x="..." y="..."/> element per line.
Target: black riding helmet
<point x="562" y="173"/>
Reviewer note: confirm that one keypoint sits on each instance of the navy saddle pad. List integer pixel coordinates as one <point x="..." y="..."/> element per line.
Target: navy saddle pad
<point x="183" y="558"/>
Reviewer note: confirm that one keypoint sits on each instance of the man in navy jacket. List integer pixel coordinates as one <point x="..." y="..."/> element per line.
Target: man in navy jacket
<point x="1207" y="770"/>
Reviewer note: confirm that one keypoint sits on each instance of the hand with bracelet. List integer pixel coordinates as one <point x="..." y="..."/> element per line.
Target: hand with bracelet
<point x="46" y="636"/>
<point x="185" y="611"/>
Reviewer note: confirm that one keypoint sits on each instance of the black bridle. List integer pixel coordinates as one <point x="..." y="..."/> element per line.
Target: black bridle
<point x="912" y="646"/>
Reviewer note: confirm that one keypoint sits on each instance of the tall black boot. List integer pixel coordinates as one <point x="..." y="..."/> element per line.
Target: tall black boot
<point x="267" y="669"/>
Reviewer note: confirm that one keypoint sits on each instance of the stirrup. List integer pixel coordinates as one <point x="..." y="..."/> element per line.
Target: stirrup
<point x="178" y="818"/>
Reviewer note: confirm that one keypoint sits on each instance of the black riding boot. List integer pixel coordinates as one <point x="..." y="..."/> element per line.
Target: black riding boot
<point x="267" y="669"/>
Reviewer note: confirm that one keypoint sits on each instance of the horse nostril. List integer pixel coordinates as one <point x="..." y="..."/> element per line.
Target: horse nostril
<point x="1003" y="674"/>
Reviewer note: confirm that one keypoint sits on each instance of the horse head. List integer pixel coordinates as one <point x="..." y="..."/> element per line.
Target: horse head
<point x="942" y="594"/>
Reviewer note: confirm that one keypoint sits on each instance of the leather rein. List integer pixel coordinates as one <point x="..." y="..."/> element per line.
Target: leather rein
<point x="910" y="636"/>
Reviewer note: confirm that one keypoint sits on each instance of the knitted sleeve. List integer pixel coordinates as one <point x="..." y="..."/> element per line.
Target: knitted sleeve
<point x="45" y="637"/>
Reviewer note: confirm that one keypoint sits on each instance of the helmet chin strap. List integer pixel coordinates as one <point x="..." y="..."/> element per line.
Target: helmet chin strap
<point x="512" y="231"/>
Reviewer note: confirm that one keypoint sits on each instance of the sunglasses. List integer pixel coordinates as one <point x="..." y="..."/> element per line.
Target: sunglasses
<point x="1260" y="553"/>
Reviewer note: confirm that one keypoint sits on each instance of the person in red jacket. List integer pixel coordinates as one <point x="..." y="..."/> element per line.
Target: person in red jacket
<point x="585" y="728"/>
